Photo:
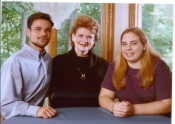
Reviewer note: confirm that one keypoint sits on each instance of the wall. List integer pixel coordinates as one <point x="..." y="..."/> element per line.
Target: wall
<point x="121" y="23"/>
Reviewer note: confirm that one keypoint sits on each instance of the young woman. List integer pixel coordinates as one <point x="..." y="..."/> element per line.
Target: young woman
<point x="77" y="75"/>
<point x="139" y="79"/>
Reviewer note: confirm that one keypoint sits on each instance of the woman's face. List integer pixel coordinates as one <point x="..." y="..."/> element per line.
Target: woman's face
<point x="132" y="49"/>
<point x="83" y="41"/>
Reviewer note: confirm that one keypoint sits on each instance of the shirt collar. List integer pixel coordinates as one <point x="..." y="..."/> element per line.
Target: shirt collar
<point x="33" y="51"/>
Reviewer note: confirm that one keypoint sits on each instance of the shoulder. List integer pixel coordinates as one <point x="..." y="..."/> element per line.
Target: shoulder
<point x="101" y="60"/>
<point x="12" y="64"/>
<point x="61" y="58"/>
<point x="159" y="63"/>
<point x="161" y="66"/>
<point x="14" y="58"/>
<point x="112" y="65"/>
<point x="48" y="55"/>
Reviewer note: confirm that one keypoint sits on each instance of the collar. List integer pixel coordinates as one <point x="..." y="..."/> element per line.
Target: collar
<point x="93" y="58"/>
<point x="34" y="52"/>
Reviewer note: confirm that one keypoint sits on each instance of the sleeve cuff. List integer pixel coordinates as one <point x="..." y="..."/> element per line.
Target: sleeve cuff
<point x="32" y="110"/>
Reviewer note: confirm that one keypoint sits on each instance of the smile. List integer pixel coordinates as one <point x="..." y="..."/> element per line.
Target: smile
<point x="129" y="54"/>
<point x="83" y="45"/>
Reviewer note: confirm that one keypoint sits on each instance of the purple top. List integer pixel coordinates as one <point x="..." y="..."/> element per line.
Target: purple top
<point x="133" y="93"/>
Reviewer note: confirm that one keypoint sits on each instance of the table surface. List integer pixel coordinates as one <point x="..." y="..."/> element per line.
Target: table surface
<point x="89" y="115"/>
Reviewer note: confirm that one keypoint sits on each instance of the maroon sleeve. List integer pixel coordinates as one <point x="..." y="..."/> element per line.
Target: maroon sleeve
<point x="107" y="81"/>
<point x="163" y="80"/>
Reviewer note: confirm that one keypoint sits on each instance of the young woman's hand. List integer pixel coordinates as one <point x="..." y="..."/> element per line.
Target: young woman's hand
<point x="122" y="109"/>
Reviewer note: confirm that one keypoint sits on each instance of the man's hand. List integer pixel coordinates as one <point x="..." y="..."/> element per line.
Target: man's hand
<point x="46" y="112"/>
<point x="1" y="117"/>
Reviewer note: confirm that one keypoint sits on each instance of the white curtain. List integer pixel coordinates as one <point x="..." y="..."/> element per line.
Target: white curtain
<point x="58" y="11"/>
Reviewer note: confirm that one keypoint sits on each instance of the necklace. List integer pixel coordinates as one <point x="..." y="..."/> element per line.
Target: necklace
<point x="83" y="75"/>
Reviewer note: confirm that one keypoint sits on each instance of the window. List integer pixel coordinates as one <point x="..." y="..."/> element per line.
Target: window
<point x="105" y="14"/>
<point x="14" y="17"/>
<point x="157" y="22"/>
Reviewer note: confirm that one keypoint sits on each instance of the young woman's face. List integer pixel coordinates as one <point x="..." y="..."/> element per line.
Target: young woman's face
<point x="132" y="49"/>
<point x="39" y="34"/>
<point x="83" y="41"/>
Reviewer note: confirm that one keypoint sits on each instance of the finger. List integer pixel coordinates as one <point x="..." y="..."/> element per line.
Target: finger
<point x="116" y="106"/>
<point x="51" y="111"/>
<point x="124" y="107"/>
<point x="44" y="115"/>
<point x="48" y="114"/>
<point x="123" y="111"/>
<point x="119" y="114"/>
<point x="124" y="103"/>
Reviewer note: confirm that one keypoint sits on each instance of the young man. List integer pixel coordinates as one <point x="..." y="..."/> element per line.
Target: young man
<point x="25" y="76"/>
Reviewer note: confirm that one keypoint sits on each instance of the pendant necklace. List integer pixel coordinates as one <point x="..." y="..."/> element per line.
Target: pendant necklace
<point x="83" y="75"/>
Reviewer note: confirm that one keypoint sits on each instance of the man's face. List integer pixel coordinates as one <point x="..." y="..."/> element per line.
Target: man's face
<point x="39" y="34"/>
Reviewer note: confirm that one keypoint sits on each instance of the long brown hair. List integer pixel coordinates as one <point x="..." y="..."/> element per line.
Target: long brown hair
<point x="147" y="60"/>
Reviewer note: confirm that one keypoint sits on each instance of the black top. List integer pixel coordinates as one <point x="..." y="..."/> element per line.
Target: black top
<point x="70" y="90"/>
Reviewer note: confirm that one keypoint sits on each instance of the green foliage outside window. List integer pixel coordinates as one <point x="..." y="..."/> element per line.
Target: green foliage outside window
<point x="157" y="22"/>
<point x="91" y="9"/>
<point x="11" y="26"/>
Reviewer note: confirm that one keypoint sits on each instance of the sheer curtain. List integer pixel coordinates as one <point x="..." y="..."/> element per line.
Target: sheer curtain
<point x="58" y="11"/>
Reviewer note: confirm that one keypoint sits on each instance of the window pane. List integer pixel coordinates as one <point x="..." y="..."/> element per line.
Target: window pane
<point x="91" y="9"/>
<point x="157" y="22"/>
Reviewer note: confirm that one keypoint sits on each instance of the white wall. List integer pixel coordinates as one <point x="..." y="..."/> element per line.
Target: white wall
<point x="121" y="23"/>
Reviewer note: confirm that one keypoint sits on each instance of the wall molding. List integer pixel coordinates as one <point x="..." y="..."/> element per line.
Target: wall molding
<point x="107" y="34"/>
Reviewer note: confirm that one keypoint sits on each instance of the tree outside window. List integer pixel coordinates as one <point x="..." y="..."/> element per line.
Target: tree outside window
<point x="91" y="9"/>
<point x="157" y="22"/>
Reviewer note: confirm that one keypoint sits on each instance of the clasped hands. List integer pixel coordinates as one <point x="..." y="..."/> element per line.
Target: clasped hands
<point x="122" y="109"/>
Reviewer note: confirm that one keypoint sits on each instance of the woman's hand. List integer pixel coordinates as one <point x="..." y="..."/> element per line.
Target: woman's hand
<point x="122" y="109"/>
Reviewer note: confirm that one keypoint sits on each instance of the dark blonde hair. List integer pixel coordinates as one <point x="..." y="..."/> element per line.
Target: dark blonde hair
<point x="147" y="61"/>
<point x="88" y="22"/>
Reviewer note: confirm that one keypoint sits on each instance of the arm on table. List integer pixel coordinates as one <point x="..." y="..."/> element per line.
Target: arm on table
<point x="119" y="109"/>
<point x="106" y="99"/>
<point x="157" y="107"/>
<point x="12" y="103"/>
<point x="124" y="108"/>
